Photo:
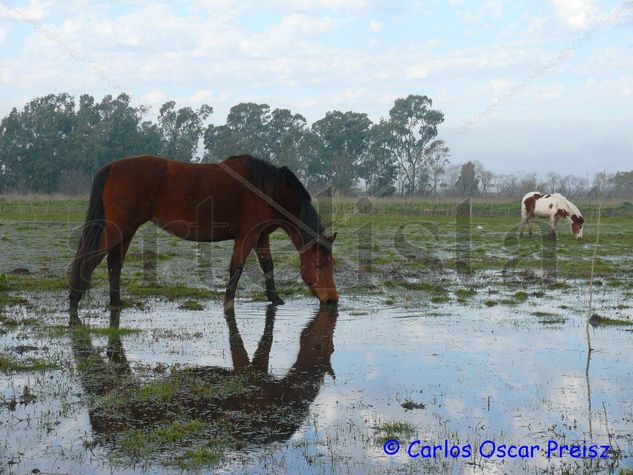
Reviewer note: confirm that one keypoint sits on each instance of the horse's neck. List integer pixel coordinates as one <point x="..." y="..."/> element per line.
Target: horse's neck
<point x="571" y="207"/>
<point x="295" y="236"/>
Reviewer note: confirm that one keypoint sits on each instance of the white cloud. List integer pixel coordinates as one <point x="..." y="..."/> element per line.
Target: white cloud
<point x="499" y="87"/>
<point x="553" y="91"/>
<point x="289" y="38"/>
<point x="217" y="52"/>
<point x="206" y="96"/>
<point x="155" y="97"/>
<point x="471" y="60"/>
<point x="536" y="24"/>
<point x="3" y="34"/>
<point x="606" y="61"/>
<point x="576" y="14"/>
<point x="296" y="23"/>
<point x="34" y="10"/>
<point x="301" y="5"/>
<point x="376" y="25"/>
<point x="614" y="88"/>
<point x="494" y="8"/>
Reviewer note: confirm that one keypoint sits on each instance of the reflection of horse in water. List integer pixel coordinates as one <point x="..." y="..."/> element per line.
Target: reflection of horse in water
<point x="246" y="400"/>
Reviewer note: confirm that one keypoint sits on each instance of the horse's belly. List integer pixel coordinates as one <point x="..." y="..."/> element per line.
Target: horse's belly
<point x="197" y="231"/>
<point x="542" y="214"/>
<point x="543" y="208"/>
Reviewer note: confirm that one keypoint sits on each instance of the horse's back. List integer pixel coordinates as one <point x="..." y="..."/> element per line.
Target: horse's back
<point x="171" y="193"/>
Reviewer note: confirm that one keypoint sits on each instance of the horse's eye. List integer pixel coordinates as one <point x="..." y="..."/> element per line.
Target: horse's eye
<point x="317" y="264"/>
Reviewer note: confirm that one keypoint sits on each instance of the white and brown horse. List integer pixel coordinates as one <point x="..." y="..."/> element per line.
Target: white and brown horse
<point x="553" y="207"/>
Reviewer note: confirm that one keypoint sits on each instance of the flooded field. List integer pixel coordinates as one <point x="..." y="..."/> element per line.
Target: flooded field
<point x="453" y="346"/>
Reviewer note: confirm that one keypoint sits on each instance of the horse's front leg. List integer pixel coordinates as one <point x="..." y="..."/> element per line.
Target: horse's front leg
<point x="241" y="250"/>
<point x="266" y="263"/>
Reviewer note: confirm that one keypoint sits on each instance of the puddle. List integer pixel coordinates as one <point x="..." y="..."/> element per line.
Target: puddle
<point x="304" y="389"/>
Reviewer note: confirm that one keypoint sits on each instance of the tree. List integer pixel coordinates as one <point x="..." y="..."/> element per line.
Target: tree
<point x="35" y="142"/>
<point x="10" y="150"/>
<point x="244" y="133"/>
<point x="181" y="129"/>
<point x="413" y="125"/>
<point x="344" y="137"/>
<point x="106" y="131"/>
<point x="253" y="129"/>
<point x="437" y="154"/>
<point x="379" y="168"/>
<point x="284" y="135"/>
<point x="312" y="154"/>
<point x="467" y="183"/>
<point x="623" y="184"/>
<point x="451" y="175"/>
<point x="52" y="144"/>
<point x="485" y="178"/>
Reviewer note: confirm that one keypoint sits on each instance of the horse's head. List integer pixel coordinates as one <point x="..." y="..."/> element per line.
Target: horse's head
<point x="577" y="222"/>
<point x="317" y="269"/>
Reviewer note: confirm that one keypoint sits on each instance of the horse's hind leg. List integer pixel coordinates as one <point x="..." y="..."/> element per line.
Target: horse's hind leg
<point x="530" y="225"/>
<point x="116" y="257"/>
<point x="79" y="288"/>
<point x="522" y="227"/>
<point x="266" y="263"/>
<point x="525" y="220"/>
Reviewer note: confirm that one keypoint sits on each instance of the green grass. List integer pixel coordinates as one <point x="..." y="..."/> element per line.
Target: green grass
<point x="440" y="299"/>
<point x="463" y="294"/>
<point x="540" y="313"/>
<point x="64" y="330"/>
<point x="599" y="320"/>
<point x="191" y="305"/>
<point x="169" y="291"/>
<point x="199" y="457"/>
<point x="11" y="364"/>
<point x="413" y="241"/>
<point x="169" y="431"/>
<point x="143" y="444"/>
<point x="395" y="430"/>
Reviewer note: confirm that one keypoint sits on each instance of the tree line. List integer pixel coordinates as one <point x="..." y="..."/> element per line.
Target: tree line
<point x="56" y="144"/>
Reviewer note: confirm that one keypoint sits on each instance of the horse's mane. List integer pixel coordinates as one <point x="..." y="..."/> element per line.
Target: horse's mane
<point x="573" y="209"/>
<point x="267" y="176"/>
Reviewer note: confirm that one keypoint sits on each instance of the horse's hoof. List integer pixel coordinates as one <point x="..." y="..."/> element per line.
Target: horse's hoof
<point x="73" y="318"/>
<point x="277" y="301"/>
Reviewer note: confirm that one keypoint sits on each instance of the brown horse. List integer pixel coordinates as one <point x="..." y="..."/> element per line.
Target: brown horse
<point x="242" y="198"/>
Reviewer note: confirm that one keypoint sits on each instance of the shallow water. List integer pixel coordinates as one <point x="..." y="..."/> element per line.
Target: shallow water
<point x="473" y="374"/>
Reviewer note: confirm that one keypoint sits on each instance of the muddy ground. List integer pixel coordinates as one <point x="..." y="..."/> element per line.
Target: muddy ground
<point x="449" y="329"/>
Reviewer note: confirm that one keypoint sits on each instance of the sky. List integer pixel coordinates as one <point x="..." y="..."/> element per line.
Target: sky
<point x="534" y="86"/>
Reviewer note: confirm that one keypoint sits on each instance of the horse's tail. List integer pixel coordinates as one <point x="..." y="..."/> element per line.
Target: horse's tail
<point x="88" y="248"/>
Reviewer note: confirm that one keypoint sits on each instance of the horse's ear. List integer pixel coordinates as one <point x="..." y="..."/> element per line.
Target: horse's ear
<point x="331" y="238"/>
